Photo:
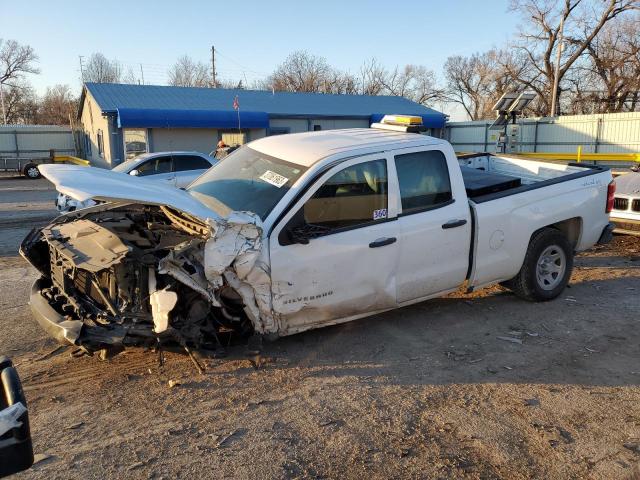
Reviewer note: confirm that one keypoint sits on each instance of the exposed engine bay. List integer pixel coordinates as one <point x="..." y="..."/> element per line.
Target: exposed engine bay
<point x="143" y="275"/>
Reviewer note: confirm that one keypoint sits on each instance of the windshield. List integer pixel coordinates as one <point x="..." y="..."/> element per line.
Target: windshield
<point x="246" y="180"/>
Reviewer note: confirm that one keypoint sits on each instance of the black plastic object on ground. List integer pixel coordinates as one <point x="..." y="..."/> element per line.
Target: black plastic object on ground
<point x="16" y="450"/>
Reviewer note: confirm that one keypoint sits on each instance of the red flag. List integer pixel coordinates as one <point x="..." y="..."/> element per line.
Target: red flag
<point x="236" y="104"/>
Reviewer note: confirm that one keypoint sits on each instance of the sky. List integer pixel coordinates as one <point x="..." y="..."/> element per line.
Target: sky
<point x="251" y="37"/>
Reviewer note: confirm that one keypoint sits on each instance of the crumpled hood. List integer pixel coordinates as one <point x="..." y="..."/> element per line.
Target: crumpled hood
<point x="84" y="183"/>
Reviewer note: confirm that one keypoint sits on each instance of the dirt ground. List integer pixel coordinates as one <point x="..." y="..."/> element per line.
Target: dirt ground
<point x="428" y="391"/>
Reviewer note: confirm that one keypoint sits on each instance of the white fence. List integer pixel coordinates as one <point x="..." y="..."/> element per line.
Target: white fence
<point x="602" y="133"/>
<point x="35" y="141"/>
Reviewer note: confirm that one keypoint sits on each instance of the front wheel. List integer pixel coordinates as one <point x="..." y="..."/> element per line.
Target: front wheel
<point x="546" y="269"/>
<point x="31" y="171"/>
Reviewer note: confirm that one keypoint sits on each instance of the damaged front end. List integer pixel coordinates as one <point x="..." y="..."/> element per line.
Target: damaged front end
<point x="120" y="275"/>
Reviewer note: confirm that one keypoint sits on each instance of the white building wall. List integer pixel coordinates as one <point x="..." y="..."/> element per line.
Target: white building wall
<point x="339" y="123"/>
<point x="295" y="125"/>
<point x="298" y="125"/>
<point x="202" y="140"/>
<point x="92" y="123"/>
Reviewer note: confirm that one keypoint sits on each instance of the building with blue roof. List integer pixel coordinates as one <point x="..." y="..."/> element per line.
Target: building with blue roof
<point x="121" y="121"/>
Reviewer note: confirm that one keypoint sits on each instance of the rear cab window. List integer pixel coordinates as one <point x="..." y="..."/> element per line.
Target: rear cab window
<point x="424" y="182"/>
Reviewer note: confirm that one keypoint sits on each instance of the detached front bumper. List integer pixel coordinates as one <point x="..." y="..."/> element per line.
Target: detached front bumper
<point x="63" y="330"/>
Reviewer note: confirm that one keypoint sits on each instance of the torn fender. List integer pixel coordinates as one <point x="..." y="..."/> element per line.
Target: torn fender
<point x="234" y="253"/>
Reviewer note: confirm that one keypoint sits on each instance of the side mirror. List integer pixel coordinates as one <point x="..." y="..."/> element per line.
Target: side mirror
<point x="298" y="230"/>
<point x="135" y="172"/>
<point x="16" y="449"/>
<point x="296" y="235"/>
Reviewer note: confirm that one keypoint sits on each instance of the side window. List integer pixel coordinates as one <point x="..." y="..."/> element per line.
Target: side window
<point x="183" y="163"/>
<point x="354" y="196"/>
<point x="155" y="166"/>
<point x="100" y="140"/>
<point x="424" y="180"/>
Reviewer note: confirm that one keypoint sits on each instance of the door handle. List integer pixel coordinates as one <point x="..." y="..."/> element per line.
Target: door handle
<point x="454" y="224"/>
<point x="381" y="242"/>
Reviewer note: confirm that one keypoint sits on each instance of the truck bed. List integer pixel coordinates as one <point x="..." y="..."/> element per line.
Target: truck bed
<point x="487" y="176"/>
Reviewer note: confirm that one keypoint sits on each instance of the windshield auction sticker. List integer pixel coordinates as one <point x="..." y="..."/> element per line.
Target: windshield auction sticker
<point x="273" y="178"/>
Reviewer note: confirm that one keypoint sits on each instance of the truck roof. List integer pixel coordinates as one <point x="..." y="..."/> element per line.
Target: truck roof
<point x="308" y="148"/>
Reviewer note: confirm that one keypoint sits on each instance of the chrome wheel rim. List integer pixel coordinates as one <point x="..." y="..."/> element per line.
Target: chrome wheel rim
<point x="551" y="267"/>
<point x="33" y="172"/>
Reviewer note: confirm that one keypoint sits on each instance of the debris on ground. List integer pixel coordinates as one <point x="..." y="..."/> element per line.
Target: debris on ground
<point x="566" y="435"/>
<point x="510" y="339"/>
<point x="41" y="457"/>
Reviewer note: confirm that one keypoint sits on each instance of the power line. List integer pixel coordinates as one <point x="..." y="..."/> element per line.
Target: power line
<point x="244" y="68"/>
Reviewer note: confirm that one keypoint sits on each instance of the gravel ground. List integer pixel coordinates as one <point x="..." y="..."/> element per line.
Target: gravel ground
<point x="427" y="391"/>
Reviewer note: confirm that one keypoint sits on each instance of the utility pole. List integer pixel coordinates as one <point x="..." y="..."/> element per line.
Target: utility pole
<point x="4" y="113"/>
<point x="142" y="74"/>
<point x="213" y="67"/>
<point x="81" y="69"/>
<point x="556" y="80"/>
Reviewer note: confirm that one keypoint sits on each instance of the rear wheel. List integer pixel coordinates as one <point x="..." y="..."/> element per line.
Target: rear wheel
<point x="30" y="170"/>
<point x="546" y="269"/>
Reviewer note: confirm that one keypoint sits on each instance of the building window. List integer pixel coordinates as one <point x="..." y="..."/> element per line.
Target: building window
<point x="100" y="141"/>
<point x="87" y="145"/>
<point x="234" y="138"/>
<point x="135" y="142"/>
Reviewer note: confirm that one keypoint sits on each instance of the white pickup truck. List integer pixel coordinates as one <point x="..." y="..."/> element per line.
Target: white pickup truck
<point x="300" y="231"/>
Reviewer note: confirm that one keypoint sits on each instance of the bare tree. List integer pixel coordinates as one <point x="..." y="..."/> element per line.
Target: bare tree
<point x="611" y="78"/>
<point x="100" y="69"/>
<point x="372" y="78"/>
<point x="472" y="82"/>
<point x="546" y="22"/>
<point x="414" y="82"/>
<point x="57" y="106"/>
<point x="20" y="102"/>
<point x="131" y="77"/>
<point x="16" y="60"/>
<point x="189" y="73"/>
<point x="302" y="72"/>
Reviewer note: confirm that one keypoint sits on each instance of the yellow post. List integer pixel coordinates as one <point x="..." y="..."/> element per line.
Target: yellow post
<point x="579" y="153"/>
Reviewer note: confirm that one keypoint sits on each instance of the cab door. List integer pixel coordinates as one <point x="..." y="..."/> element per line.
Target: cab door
<point x="334" y="254"/>
<point x="434" y="225"/>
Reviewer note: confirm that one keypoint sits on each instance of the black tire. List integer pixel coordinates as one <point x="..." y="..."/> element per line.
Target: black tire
<point x="5" y="362"/>
<point x="528" y="284"/>
<point x="31" y="171"/>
